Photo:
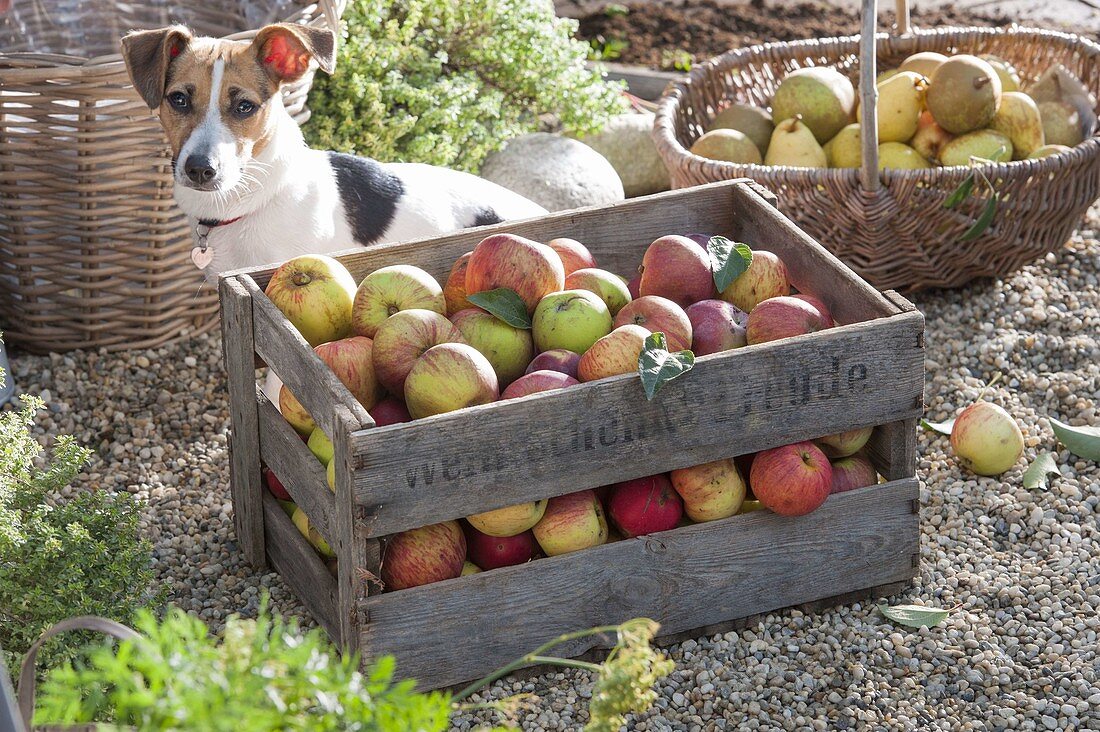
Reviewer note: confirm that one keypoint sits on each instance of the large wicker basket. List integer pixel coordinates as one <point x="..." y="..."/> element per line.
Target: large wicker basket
<point x="891" y="227"/>
<point x="93" y="251"/>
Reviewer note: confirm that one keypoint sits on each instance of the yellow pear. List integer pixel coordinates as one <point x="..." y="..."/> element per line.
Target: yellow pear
<point x="1075" y="118"/>
<point x="823" y="97"/>
<point x="883" y="77"/>
<point x="844" y="150"/>
<point x="1010" y="79"/>
<point x="981" y="144"/>
<point x="753" y="121"/>
<point x="1018" y="117"/>
<point x="924" y="63"/>
<point x="900" y="155"/>
<point x="1062" y="123"/>
<point x="930" y="137"/>
<point x="728" y="145"/>
<point x="964" y="94"/>
<point x="900" y="100"/>
<point x="794" y="144"/>
<point x="1047" y="151"/>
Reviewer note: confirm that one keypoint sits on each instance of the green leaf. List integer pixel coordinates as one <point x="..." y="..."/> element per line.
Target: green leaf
<point x="984" y="220"/>
<point x="728" y="260"/>
<point x="914" y="616"/>
<point x="944" y="428"/>
<point x="961" y="193"/>
<point x="1036" y="474"/>
<point x="505" y="304"/>
<point x="1081" y="441"/>
<point x="657" y="366"/>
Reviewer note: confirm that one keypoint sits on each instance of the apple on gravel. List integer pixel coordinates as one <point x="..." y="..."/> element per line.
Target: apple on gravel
<point x="676" y="268"/>
<point x="315" y="293"/>
<point x="556" y="359"/>
<point x="616" y="353"/>
<point x="571" y="319"/>
<point x="658" y="315"/>
<point x="390" y="290"/>
<point x="610" y="288"/>
<point x="791" y="480"/>
<point x="532" y="270"/>
<point x="510" y="520"/>
<point x="508" y="349"/>
<point x="421" y="556"/>
<point x="403" y="338"/>
<point x="537" y="382"/>
<point x="571" y="522"/>
<point x="987" y="439"/>
<point x="644" y="506"/>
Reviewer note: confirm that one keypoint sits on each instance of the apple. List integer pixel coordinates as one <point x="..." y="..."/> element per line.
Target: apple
<point x="854" y="471"/>
<point x="425" y="555"/>
<point x="469" y="567"/>
<point x="573" y="254"/>
<point x="765" y="278"/>
<point x="610" y="287"/>
<point x="791" y="480"/>
<point x="645" y="505"/>
<point x="330" y="475"/>
<point x="312" y="535"/>
<point x="675" y="267"/>
<point x="710" y="491"/>
<point x="702" y="240"/>
<point x="447" y="377"/>
<point x="403" y="338"/>
<point x="658" y="315"/>
<point x="536" y="382"/>
<point x="390" y="290"/>
<point x="845" y="443"/>
<point x="351" y="359"/>
<point x="782" y="317"/>
<point x="750" y="505"/>
<point x="275" y="486"/>
<point x="321" y="446"/>
<point x="315" y="293"/>
<point x="491" y="552"/>
<point x="389" y="410"/>
<point x="821" y="308"/>
<point x="632" y="286"/>
<point x="571" y="319"/>
<point x="510" y="520"/>
<point x="556" y="359"/>
<point x="616" y="353"/>
<point x="508" y="349"/>
<point x="294" y="413"/>
<point x="716" y="325"/>
<point x="572" y="522"/>
<point x="986" y="439"/>
<point x="454" y="290"/>
<point x="531" y="269"/>
<point x="288" y="507"/>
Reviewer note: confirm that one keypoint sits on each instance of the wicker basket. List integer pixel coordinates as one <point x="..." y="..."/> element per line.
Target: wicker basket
<point x="891" y="227"/>
<point x="93" y="251"/>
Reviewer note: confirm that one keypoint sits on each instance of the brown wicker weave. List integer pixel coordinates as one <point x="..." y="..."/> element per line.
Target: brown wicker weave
<point x="891" y="227"/>
<point x="93" y="251"/>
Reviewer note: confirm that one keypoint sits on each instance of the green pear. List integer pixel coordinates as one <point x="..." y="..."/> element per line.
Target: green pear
<point x="924" y="63"/>
<point x="1010" y="79"/>
<point x="753" y="121"/>
<point x="883" y="77"/>
<point x="964" y="94"/>
<point x="981" y="144"/>
<point x="1047" y="151"/>
<point x="1062" y="123"/>
<point x="845" y="150"/>
<point x="900" y="100"/>
<point x="1018" y="117"/>
<point x="730" y="146"/>
<point x="930" y="137"/>
<point x="823" y="97"/>
<point x="900" y="155"/>
<point x="794" y="144"/>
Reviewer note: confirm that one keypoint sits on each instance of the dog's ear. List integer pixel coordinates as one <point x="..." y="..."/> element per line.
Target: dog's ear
<point x="284" y="50"/>
<point x="147" y="55"/>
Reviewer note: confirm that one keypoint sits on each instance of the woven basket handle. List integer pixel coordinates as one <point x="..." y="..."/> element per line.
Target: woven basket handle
<point x="868" y="93"/>
<point x="83" y="622"/>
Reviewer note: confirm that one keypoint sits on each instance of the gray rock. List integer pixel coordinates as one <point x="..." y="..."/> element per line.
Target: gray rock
<point x="627" y="144"/>
<point x="555" y="172"/>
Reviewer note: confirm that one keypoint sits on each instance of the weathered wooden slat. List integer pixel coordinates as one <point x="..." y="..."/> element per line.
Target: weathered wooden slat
<point x="300" y="567"/>
<point x="642" y="82"/>
<point x="244" y="449"/>
<point x="505" y="453"/>
<point x="686" y="578"/>
<point x="358" y="556"/>
<point x="298" y="470"/>
<point x="893" y="449"/>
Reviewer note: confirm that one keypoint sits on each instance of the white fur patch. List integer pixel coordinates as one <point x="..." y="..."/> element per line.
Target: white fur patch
<point x="212" y="138"/>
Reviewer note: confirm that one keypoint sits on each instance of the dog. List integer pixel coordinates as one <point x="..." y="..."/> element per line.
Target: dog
<point x="253" y="190"/>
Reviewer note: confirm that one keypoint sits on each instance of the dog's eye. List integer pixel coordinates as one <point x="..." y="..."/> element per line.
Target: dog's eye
<point x="179" y="101"/>
<point x="244" y="108"/>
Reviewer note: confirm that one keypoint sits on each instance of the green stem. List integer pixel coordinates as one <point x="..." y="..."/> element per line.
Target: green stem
<point x="567" y="662"/>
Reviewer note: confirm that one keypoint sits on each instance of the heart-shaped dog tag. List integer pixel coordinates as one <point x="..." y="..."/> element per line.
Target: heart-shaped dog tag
<point x="202" y="257"/>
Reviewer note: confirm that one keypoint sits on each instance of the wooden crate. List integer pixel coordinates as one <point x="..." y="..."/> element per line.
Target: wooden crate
<point x="869" y="371"/>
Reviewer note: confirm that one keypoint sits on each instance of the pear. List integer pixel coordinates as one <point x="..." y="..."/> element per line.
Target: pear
<point x="983" y="144"/>
<point x="930" y="137"/>
<point x="794" y="144"/>
<point x="845" y="150"/>
<point x="964" y="94"/>
<point x="1010" y="79"/>
<point x="1061" y="123"/>
<point x="1059" y="85"/>
<point x="900" y="100"/>
<point x="753" y="121"/>
<point x="823" y="96"/>
<point x="1019" y="119"/>
<point x="900" y="155"/>
<point x="728" y="145"/>
<point x="924" y="63"/>
<point x="883" y="77"/>
<point x="1048" y="150"/>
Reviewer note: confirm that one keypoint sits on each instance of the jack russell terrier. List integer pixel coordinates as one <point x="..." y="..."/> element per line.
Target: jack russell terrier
<point x="254" y="192"/>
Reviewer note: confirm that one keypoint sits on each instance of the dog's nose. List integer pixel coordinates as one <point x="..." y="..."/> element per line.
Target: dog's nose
<point x="200" y="169"/>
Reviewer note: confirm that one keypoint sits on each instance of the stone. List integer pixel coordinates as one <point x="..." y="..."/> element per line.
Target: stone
<point x="628" y="145"/>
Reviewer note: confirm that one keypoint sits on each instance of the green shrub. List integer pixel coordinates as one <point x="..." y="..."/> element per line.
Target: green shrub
<point x="446" y="83"/>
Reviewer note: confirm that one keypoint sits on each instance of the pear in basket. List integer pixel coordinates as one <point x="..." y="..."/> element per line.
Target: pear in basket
<point x="1020" y="120"/>
<point x="964" y="94"/>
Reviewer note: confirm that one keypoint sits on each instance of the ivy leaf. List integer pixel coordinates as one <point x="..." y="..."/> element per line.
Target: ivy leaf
<point x="657" y="366"/>
<point x="505" y="304"/>
<point x="1081" y="441"/>
<point x="961" y="193"/>
<point x="984" y="220"/>
<point x="944" y="428"/>
<point x="914" y="616"/>
<point x="1036" y="474"/>
<point x="728" y="260"/>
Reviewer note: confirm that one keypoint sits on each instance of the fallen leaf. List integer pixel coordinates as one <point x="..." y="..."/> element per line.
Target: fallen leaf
<point x="914" y="616"/>
<point x="1036" y="474"/>
<point x="944" y="428"/>
<point x="1081" y="441"/>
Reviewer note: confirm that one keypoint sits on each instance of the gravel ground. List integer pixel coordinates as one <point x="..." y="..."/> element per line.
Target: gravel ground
<point x="1022" y="568"/>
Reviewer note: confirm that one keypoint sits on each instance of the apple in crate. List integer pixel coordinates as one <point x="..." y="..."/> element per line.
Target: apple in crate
<point x="421" y="556"/>
<point x="716" y="326"/>
<point x="572" y="522"/>
<point x="556" y="359"/>
<point x="508" y="349"/>
<point x="986" y="439"/>
<point x="312" y="535"/>
<point x="676" y="268"/>
<point x="389" y="410"/>
<point x="469" y="567"/>
<point x="573" y="254"/>
<point x="510" y="520"/>
<point x="275" y="486"/>
<point x="616" y="353"/>
<point x="710" y="491"/>
<point x="791" y="480"/>
<point x="454" y="289"/>
<point x="571" y="319"/>
<point x="658" y="315"/>
<point x="315" y="293"/>
<point x="294" y="413"/>
<point x="531" y="269"/>
<point x="854" y="471"/>
<point x="632" y="285"/>
<point x="644" y="505"/>
<point x="536" y="382"/>
<point x="390" y="290"/>
<point x="330" y="475"/>
<point x="321" y="446"/>
<point x="783" y="317"/>
<point x="765" y="278"/>
<point x="449" y="377"/>
<point x="610" y="288"/>
<point x="351" y="359"/>
<point x="844" y="444"/>
<point x="491" y="552"/>
<point x="822" y="308"/>
<point x="403" y="338"/>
